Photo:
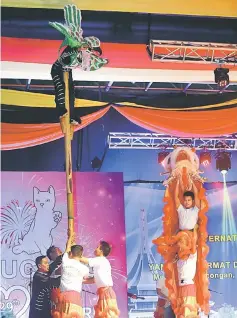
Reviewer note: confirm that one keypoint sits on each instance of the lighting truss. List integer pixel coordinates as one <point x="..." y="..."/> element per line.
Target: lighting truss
<point x="187" y="88"/>
<point x="193" y="52"/>
<point x="118" y="140"/>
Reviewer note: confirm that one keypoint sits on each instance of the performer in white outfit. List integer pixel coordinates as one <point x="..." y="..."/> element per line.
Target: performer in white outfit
<point x="107" y="304"/>
<point x="73" y="271"/>
<point x="188" y="218"/>
<point x="187" y="270"/>
<point x="68" y="301"/>
<point x="102" y="271"/>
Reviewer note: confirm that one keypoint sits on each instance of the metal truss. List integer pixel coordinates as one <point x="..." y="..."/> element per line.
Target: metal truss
<point x="138" y="87"/>
<point x="191" y="88"/>
<point x="118" y="140"/>
<point x="192" y="52"/>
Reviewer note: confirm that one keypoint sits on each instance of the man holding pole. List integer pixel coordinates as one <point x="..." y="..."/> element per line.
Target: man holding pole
<point x="67" y="302"/>
<point x="106" y="306"/>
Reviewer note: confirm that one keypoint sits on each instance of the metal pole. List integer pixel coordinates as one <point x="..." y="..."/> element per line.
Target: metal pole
<point x="67" y="130"/>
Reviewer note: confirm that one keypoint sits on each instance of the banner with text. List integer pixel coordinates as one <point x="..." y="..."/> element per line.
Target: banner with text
<point x="34" y="216"/>
<point x="143" y="214"/>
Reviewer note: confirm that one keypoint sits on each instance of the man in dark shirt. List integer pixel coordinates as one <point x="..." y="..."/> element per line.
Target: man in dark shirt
<point x="40" y="306"/>
<point x="52" y="253"/>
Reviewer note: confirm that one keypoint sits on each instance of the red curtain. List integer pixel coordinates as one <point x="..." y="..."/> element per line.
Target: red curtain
<point x="184" y="123"/>
<point x="17" y="136"/>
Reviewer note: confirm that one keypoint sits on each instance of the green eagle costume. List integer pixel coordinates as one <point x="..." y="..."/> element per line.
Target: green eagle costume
<point x="83" y="53"/>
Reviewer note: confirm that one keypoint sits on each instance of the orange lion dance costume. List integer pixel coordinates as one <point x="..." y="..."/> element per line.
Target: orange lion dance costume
<point x="107" y="304"/>
<point x="184" y="249"/>
<point x="66" y="304"/>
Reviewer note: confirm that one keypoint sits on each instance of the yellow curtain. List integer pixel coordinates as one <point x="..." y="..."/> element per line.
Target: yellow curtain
<point x="218" y="8"/>
<point x="201" y="107"/>
<point x="27" y="99"/>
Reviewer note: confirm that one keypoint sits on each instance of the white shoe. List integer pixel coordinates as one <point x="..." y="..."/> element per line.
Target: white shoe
<point x="73" y="122"/>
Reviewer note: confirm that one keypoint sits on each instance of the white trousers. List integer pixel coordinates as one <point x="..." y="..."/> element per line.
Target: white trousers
<point x="187" y="270"/>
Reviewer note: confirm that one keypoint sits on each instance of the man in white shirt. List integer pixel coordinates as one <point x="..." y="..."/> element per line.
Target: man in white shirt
<point x="73" y="271"/>
<point x="188" y="211"/>
<point x="163" y="309"/>
<point x="106" y="306"/>
<point x="73" y="274"/>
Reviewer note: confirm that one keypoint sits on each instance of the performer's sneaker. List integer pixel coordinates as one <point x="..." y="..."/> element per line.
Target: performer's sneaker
<point x="76" y="119"/>
<point x="74" y="122"/>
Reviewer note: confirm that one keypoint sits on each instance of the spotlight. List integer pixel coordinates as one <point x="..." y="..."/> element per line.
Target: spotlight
<point x="223" y="161"/>
<point x="223" y="172"/>
<point x="162" y="155"/>
<point x="221" y="76"/>
<point x="205" y="158"/>
<point x="96" y="163"/>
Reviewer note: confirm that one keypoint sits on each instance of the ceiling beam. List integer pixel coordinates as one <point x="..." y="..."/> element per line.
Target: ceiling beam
<point x="165" y="88"/>
<point x="28" y="84"/>
<point x="187" y="87"/>
<point x="107" y="88"/>
<point x="148" y="86"/>
<point x="224" y="88"/>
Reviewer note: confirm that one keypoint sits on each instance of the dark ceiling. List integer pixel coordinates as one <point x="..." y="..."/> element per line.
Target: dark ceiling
<point x="120" y="27"/>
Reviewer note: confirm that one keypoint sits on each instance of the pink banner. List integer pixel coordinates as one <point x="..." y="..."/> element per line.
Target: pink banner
<point x="34" y="217"/>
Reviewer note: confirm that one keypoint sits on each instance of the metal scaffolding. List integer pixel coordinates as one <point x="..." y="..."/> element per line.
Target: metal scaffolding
<point x="134" y="88"/>
<point x="192" y="52"/>
<point x="118" y="140"/>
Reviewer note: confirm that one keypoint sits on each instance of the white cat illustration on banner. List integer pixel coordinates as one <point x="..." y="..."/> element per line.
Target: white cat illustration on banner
<point x="28" y="229"/>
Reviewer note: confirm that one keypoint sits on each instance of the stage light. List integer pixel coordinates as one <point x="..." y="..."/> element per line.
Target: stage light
<point x="162" y="155"/>
<point x="221" y="76"/>
<point x="205" y="158"/>
<point x="228" y="218"/>
<point x="223" y="161"/>
<point x="224" y="172"/>
<point x="96" y="163"/>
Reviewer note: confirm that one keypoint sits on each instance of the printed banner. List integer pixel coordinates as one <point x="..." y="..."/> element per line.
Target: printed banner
<point x="34" y="217"/>
<point x="143" y="213"/>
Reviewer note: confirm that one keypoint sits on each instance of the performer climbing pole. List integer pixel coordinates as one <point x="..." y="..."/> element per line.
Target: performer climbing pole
<point x="183" y="241"/>
<point x="82" y="53"/>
